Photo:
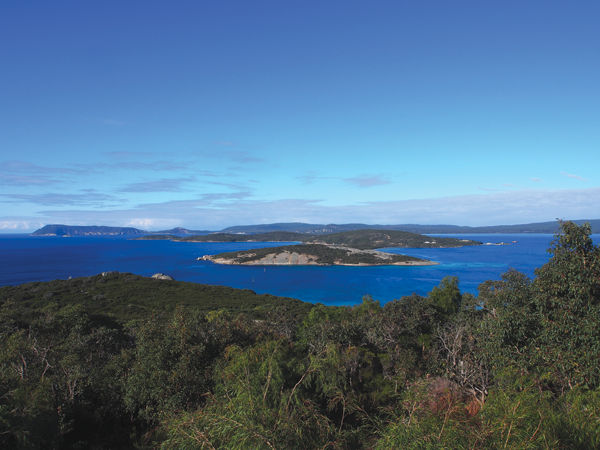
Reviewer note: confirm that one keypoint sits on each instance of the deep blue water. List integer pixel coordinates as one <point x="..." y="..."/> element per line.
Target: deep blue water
<point x="26" y="258"/>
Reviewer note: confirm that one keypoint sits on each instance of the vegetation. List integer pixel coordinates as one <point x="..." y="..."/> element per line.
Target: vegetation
<point x="128" y="296"/>
<point x="372" y="239"/>
<point x="365" y="239"/>
<point x="323" y="254"/>
<point x="275" y="236"/>
<point x="515" y="367"/>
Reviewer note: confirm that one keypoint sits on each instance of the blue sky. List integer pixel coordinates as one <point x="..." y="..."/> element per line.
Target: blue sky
<point x="207" y="114"/>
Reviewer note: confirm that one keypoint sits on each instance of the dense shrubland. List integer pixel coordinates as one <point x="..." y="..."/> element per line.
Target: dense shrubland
<point x="515" y="367"/>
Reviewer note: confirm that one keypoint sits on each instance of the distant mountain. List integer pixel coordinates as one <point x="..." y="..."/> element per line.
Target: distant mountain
<point x="179" y="230"/>
<point x="298" y="227"/>
<point x="68" y="230"/>
<point x="314" y="229"/>
<point x="317" y="229"/>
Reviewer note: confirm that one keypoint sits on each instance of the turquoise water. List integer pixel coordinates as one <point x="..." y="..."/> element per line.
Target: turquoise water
<point x="26" y="258"/>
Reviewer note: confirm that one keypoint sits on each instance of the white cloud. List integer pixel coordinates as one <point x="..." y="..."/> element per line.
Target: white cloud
<point x="569" y="175"/>
<point x="216" y="212"/>
<point x="367" y="181"/>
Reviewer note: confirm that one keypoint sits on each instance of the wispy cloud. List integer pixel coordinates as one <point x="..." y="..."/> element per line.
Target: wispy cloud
<point x="156" y="166"/>
<point x="164" y="185"/>
<point x="230" y="151"/>
<point x="94" y="199"/>
<point x="22" y="173"/>
<point x="237" y="186"/>
<point x="136" y="155"/>
<point x="310" y="177"/>
<point x="240" y="157"/>
<point x="30" y="168"/>
<point x="492" y="190"/>
<point x="367" y="181"/>
<point x="515" y="186"/>
<point x="536" y="180"/>
<point x="577" y="177"/>
<point x="26" y="180"/>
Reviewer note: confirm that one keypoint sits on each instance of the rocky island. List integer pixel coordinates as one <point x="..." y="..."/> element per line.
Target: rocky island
<point x="315" y="255"/>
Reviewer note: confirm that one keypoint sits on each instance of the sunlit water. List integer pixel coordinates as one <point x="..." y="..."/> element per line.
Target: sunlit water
<point x="26" y="258"/>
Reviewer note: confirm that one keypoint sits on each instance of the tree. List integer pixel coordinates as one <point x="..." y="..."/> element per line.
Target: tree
<point x="550" y="326"/>
<point x="446" y="297"/>
<point x="566" y="296"/>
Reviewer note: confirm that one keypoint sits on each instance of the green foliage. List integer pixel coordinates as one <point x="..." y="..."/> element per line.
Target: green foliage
<point x="133" y="297"/>
<point x="171" y="366"/>
<point x="566" y="296"/>
<point x="550" y="326"/>
<point x="517" y="415"/>
<point x="446" y="297"/>
<point x="260" y="402"/>
<point x="55" y="376"/>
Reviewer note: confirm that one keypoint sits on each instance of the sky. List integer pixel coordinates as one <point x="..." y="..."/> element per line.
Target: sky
<point x="209" y="114"/>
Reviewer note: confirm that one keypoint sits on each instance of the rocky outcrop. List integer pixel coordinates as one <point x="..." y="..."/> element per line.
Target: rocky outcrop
<point x="162" y="276"/>
<point x="281" y="259"/>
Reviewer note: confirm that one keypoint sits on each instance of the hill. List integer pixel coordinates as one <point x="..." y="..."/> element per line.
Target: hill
<point x="372" y="239"/>
<point x="179" y="230"/>
<point x="314" y="254"/>
<point x="68" y="230"/>
<point x="130" y="296"/>
<point x="317" y="229"/>
<point x="313" y="229"/>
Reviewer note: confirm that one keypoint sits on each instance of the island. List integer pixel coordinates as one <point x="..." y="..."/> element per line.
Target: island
<point x="366" y="239"/>
<point x="371" y="239"/>
<point x="274" y="236"/>
<point x="315" y="255"/>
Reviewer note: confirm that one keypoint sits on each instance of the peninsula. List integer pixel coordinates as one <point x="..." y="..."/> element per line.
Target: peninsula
<point x="315" y="255"/>
<point x="68" y="230"/>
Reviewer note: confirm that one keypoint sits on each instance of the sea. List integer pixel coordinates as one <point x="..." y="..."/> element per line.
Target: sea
<point x="25" y="258"/>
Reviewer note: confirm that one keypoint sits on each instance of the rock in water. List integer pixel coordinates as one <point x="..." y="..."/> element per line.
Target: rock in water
<point x="162" y="276"/>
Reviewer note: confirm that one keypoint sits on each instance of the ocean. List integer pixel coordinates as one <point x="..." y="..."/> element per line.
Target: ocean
<point x="25" y="258"/>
